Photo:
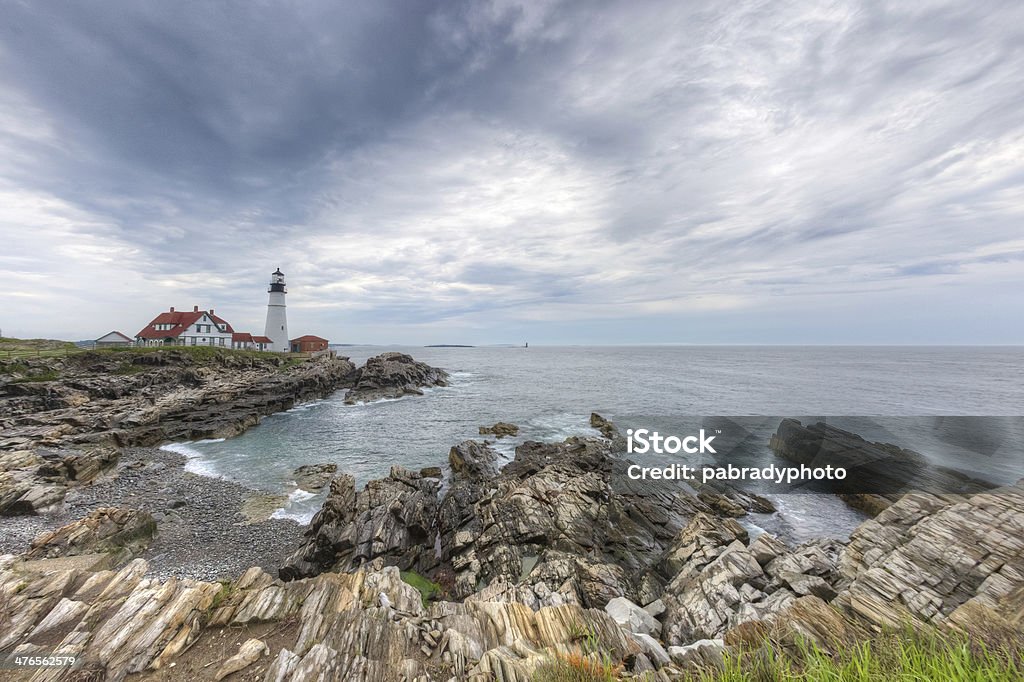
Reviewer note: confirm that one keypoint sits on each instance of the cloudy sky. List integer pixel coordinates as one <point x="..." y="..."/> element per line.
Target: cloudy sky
<point x="488" y="172"/>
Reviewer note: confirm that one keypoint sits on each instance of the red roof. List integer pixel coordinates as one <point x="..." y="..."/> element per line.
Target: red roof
<point x="181" y="322"/>
<point x="246" y="337"/>
<point x="308" y="337"/>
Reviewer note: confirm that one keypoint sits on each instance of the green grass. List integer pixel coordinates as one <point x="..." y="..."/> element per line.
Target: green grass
<point x="14" y="368"/>
<point x="890" y="657"/>
<point x="11" y="348"/>
<point x="47" y="375"/>
<point x="428" y="590"/>
<point x="198" y="352"/>
<point x="576" y="667"/>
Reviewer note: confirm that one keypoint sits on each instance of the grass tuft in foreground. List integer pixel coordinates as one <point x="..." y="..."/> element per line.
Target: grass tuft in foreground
<point x="577" y="667"/>
<point x="889" y="657"/>
<point x="586" y="663"/>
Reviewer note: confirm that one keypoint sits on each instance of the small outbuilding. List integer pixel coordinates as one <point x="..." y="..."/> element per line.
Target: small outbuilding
<point x="308" y="344"/>
<point x="113" y="340"/>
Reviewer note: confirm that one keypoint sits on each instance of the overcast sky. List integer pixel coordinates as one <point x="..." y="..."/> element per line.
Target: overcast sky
<point x="579" y="172"/>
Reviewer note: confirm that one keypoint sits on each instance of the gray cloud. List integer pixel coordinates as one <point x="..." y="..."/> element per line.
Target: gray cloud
<point x="458" y="171"/>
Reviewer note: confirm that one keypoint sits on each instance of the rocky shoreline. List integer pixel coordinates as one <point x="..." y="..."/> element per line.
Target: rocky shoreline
<point x="74" y="432"/>
<point x="491" y="574"/>
<point x="550" y="555"/>
<point x="203" y="533"/>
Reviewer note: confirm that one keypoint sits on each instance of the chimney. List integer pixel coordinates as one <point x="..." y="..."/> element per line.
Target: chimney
<point x="195" y="309"/>
<point x="211" y="311"/>
<point x="172" y="308"/>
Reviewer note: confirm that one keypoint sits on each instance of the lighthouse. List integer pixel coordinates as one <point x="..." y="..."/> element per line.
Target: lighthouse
<point x="277" y="320"/>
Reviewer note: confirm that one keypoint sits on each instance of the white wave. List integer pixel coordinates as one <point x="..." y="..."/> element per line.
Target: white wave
<point x="302" y="517"/>
<point x="753" y="530"/>
<point x="181" y="449"/>
<point x="195" y="461"/>
<point x="367" y="403"/>
<point x="302" y="407"/>
<point x="559" y="426"/>
<point x="294" y="508"/>
<point x="298" y="495"/>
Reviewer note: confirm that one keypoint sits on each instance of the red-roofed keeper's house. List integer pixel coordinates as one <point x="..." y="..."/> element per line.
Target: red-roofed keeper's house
<point x="196" y="328"/>
<point x="308" y="344"/>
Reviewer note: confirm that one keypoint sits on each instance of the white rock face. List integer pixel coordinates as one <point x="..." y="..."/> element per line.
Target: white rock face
<point x="653" y="648"/>
<point x="632" y="617"/>
<point x="702" y="652"/>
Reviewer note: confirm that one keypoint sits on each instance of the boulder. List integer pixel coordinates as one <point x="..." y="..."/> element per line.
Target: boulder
<point x="393" y="375"/>
<point x="250" y="652"/>
<point x="500" y="430"/>
<point x="873" y="470"/>
<point x="391" y="519"/>
<point x="124" y="532"/>
<point x="313" y="477"/>
<point x="631" y="617"/>
<point x="473" y="460"/>
<point x="701" y="655"/>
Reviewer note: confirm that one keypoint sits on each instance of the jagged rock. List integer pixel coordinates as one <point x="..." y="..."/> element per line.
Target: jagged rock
<point x="393" y="375"/>
<point x="474" y="460"/>
<point x="653" y="648"/>
<point x="877" y="469"/>
<point x="390" y="519"/>
<point x="925" y="556"/>
<point x="655" y="608"/>
<point x="631" y="617"/>
<point x="606" y="428"/>
<point x="125" y="532"/>
<point x="609" y="431"/>
<point x="36" y="499"/>
<point x="805" y="585"/>
<point x="728" y="500"/>
<point x="250" y="652"/>
<point x="555" y="501"/>
<point x="500" y="430"/>
<point x="766" y="547"/>
<point x="702" y="654"/>
<point x="313" y="477"/>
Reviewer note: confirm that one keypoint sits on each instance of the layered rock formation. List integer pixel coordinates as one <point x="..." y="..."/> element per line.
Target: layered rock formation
<point x="547" y="528"/>
<point x="550" y="554"/>
<point x="499" y="430"/>
<point x="64" y="419"/>
<point x="64" y="431"/>
<point x="877" y="474"/>
<point x="393" y="375"/>
<point x="144" y="398"/>
<point x="953" y="562"/>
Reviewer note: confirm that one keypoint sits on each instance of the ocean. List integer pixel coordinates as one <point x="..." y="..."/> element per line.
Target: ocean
<point x="893" y="394"/>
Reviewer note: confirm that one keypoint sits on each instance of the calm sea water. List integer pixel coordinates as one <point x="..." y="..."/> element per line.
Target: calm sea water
<point x="551" y="391"/>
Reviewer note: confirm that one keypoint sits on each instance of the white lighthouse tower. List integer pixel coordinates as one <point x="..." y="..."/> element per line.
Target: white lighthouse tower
<point x="277" y="320"/>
